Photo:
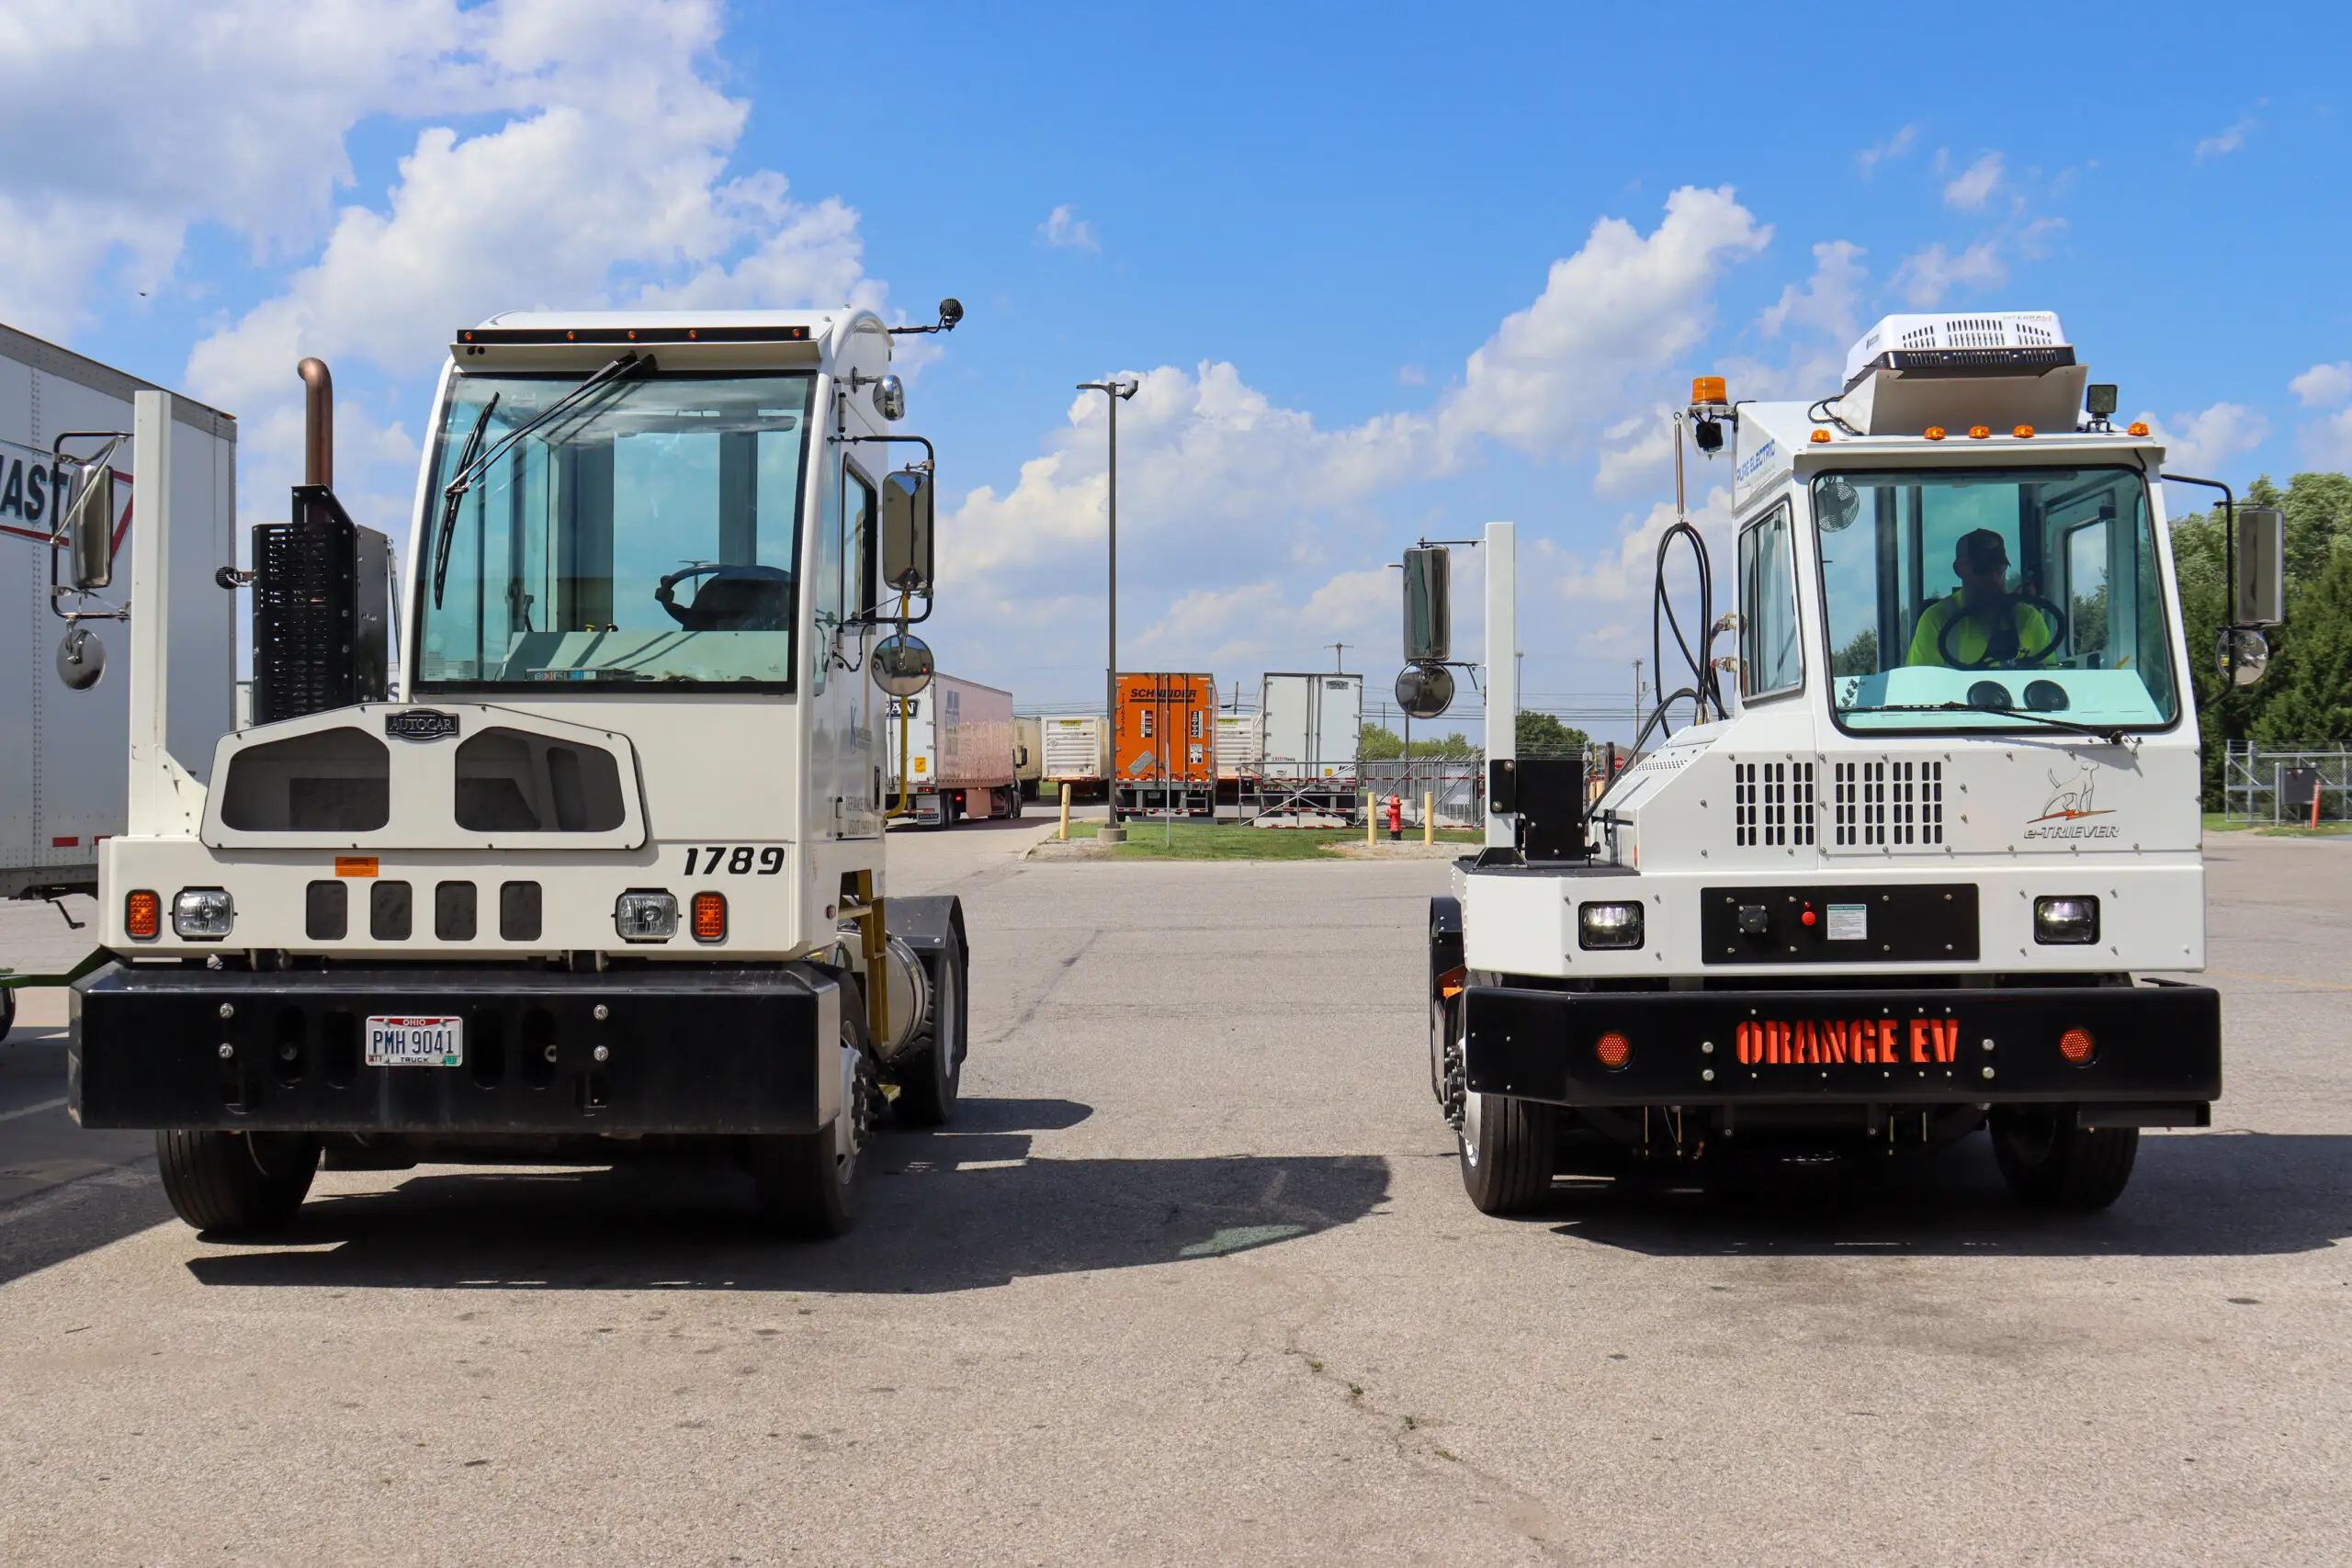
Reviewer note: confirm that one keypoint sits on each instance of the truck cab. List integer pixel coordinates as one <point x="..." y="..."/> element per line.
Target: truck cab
<point x="612" y="868"/>
<point x="1925" y="861"/>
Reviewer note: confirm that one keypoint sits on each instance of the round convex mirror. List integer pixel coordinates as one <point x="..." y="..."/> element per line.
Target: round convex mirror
<point x="901" y="664"/>
<point x="2249" y="660"/>
<point x="81" y="659"/>
<point x="1425" y="691"/>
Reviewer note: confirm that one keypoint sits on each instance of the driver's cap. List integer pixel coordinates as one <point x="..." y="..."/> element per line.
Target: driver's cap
<point x="1982" y="549"/>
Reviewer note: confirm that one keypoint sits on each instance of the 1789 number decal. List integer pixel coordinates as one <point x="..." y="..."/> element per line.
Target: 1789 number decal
<point x="735" y="859"/>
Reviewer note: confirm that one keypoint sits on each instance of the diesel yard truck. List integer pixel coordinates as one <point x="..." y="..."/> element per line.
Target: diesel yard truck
<point x="1934" y="865"/>
<point x="611" y="875"/>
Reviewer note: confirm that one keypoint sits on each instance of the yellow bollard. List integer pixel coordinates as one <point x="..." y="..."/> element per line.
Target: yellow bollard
<point x="1065" y="829"/>
<point x="1370" y="823"/>
<point x="1429" y="820"/>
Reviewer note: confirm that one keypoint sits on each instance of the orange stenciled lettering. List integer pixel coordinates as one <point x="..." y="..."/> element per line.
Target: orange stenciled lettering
<point x="1919" y="1040"/>
<point x="1833" y="1041"/>
<point x="1748" y="1042"/>
<point x="1947" y="1038"/>
<point x="1775" y="1047"/>
<point x="1886" y="1045"/>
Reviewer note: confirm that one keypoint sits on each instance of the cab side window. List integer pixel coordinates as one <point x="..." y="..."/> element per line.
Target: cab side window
<point x="1770" y="658"/>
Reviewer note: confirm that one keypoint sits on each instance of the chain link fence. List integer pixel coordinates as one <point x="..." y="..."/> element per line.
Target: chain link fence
<point x="2264" y="783"/>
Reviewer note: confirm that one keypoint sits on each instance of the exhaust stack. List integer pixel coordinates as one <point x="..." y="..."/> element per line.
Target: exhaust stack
<point x="318" y="422"/>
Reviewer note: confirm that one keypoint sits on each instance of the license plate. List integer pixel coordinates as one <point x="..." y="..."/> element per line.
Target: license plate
<point x="416" y="1042"/>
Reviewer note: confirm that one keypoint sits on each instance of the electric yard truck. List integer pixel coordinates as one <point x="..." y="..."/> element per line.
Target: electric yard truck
<point x="611" y="875"/>
<point x="1929" y="867"/>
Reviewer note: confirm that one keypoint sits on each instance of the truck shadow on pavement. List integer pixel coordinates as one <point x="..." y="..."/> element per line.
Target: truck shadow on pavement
<point x="960" y="1209"/>
<point x="2206" y="1194"/>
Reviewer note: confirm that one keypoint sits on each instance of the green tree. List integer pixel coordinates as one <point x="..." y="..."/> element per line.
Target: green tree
<point x="1541" y="735"/>
<point x="1454" y="747"/>
<point x="1378" y="743"/>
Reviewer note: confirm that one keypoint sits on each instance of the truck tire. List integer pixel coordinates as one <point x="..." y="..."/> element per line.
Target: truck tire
<point x="1508" y="1150"/>
<point x="803" y="1185"/>
<point x="7" y="1011"/>
<point x="2050" y="1162"/>
<point x="929" y="1082"/>
<point x="236" y="1182"/>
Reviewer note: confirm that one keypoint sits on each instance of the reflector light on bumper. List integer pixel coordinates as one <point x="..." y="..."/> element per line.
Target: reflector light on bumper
<point x="710" y="917"/>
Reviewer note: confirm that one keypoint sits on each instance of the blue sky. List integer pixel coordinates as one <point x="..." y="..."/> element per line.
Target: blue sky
<point x="1385" y="270"/>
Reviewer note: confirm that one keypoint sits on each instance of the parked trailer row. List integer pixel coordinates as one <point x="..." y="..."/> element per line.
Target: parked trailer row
<point x="958" y="753"/>
<point x="1164" y="745"/>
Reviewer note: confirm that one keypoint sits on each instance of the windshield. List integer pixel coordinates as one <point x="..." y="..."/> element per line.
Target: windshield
<point x="1952" y="595"/>
<point x="650" y="533"/>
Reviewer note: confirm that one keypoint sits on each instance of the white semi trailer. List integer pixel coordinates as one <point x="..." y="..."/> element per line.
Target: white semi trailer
<point x="1919" y="882"/>
<point x="950" y="753"/>
<point x="613" y="876"/>
<point x="64" y="718"/>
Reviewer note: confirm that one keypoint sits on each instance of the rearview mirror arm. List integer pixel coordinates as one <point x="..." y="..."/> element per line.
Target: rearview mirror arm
<point x="58" y="539"/>
<point x="2229" y="574"/>
<point x="930" y="465"/>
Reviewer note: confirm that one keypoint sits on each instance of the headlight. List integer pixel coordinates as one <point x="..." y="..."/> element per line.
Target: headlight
<point x="203" y="914"/>
<point x="646" y="916"/>
<point x="1609" y="925"/>
<point x="2069" y="921"/>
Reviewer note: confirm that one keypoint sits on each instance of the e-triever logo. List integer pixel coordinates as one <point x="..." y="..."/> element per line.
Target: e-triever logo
<point x="1812" y="1042"/>
<point x="2071" y="801"/>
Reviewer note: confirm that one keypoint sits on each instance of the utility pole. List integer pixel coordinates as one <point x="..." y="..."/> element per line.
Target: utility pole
<point x="1118" y="392"/>
<point x="1338" y="656"/>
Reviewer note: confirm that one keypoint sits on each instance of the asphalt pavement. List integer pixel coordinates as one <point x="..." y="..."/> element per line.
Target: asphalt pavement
<point x="1194" y="1280"/>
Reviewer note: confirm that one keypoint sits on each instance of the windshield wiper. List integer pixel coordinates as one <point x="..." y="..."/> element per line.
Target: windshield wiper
<point x="2112" y="735"/>
<point x="473" y="463"/>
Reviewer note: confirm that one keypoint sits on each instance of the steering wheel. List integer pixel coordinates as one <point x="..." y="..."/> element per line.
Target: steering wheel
<point x="701" y="618"/>
<point x="2053" y="616"/>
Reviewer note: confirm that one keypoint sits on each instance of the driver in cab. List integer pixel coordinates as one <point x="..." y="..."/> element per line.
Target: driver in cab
<point x="1995" y="624"/>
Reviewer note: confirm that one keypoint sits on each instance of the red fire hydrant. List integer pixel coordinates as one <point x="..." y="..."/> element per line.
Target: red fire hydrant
<point x="1396" y="816"/>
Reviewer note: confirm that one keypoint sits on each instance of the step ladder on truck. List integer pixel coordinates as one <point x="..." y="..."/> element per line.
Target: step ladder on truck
<point x="612" y="877"/>
<point x="1923" y="871"/>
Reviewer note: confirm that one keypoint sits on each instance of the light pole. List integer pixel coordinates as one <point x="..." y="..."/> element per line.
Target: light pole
<point x="1118" y="391"/>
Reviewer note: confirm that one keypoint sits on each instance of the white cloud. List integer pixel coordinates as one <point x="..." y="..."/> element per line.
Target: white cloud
<point x="1928" y="275"/>
<point x="2328" y="443"/>
<point x="1065" y="230"/>
<point x="1610" y="318"/>
<point x="1828" y="302"/>
<point x="1411" y="376"/>
<point x="2205" y="442"/>
<point x="1869" y="158"/>
<point x="2224" y="142"/>
<point x="2323" y="385"/>
<point x="1973" y="186"/>
<point x="1636" y="452"/>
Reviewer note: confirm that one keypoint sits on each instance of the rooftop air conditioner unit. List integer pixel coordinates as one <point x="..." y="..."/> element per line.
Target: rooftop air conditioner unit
<point x="1995" y="343"/>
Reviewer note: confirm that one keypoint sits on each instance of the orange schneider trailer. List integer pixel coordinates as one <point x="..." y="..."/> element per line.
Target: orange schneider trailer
<point x="1163" y="746"/>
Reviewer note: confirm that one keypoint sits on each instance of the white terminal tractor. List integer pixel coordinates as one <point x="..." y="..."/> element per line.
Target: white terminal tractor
<point x="610" y="873"/>
<point x="1924" y="858"/>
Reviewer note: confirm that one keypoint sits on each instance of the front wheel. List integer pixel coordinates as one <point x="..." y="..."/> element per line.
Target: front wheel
<point x="811" y="1185"/>
<point x="1508" y="1148"/>
<point x="236" y="1182"/>
<point x="2050" y="1162"/>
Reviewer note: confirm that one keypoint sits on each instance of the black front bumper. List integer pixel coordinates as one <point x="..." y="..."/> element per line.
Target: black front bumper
<point x="686" y="1050"/>
<point x="2153" y="1046"/>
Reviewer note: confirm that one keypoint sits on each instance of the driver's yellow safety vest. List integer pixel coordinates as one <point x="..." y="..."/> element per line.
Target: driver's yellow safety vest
<point x="1970" y="642"/>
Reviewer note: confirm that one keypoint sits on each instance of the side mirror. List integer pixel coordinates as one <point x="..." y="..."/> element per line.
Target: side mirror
<point x="1425" y="691"/>
<point x="89" y="523"/>
<point x="1428" y="605"/>
<point x="901" y="664"/>
<point x="2243" y="655"/>
<point x="2259" y="598"/>
<point x="906" y="532"/>
<point x="890" y="399"/>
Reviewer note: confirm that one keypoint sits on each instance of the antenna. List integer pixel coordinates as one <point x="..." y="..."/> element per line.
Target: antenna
<point x="1338" y="656"/>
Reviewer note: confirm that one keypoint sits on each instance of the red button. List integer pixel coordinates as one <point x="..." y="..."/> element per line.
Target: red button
<point x="1805" y="919"/>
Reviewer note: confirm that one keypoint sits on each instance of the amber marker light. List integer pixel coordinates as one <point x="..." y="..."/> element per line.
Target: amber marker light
<point x="1613" y="1051"/>
<point x="2076" y="1045"/>
<point x="1708" y="389"/>
<point x="710" y="917"/>
<point x="1979" y="431"/>
<point x="2023" y="432"/>
<point x="142" y="914"/>
<point x="2137" y="427"/>
<point x="1934" y="433"/>
<point x="1821" y="438"/>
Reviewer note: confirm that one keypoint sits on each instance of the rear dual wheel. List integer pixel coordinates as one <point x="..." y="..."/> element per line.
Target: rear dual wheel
<point x="930" y="1083"/>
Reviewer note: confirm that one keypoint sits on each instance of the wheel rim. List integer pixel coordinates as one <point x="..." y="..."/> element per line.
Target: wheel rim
<point x="1473" y="1126"/>
<point x="946" y="1021"/>
<point x="850" y="1126"/>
